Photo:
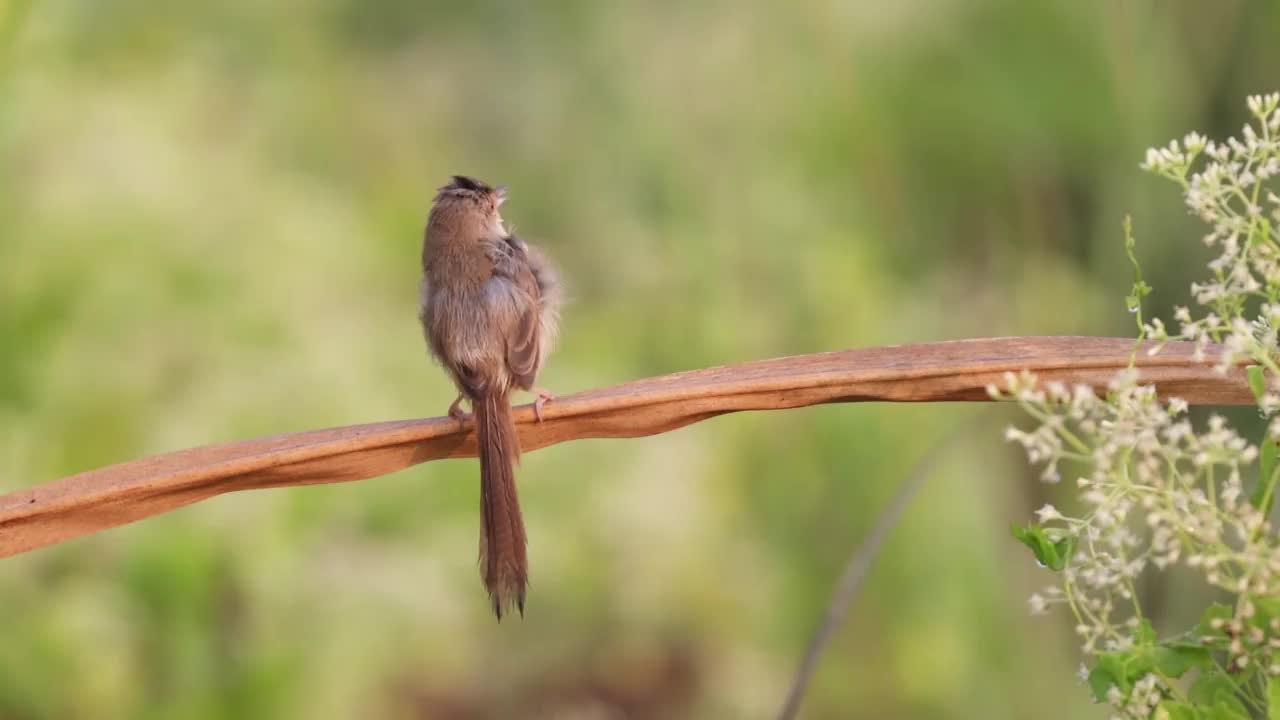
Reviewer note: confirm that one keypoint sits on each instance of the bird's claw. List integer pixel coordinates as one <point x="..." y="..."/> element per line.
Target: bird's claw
<point x="457" y="413"/>
<point x="543" y="397"/>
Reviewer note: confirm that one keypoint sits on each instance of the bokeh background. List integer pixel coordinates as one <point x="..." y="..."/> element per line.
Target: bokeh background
<point x="210" y="219"/>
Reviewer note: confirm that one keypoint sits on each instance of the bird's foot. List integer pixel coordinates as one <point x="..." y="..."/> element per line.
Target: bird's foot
<point x="543" y="397"/>
<point x="456" y="412"/>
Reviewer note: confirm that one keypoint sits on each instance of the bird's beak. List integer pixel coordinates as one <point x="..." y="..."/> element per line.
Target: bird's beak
<point x="501" y="193"/>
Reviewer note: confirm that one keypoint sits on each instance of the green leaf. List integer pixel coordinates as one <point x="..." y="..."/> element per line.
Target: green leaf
<point x="1133" y="301"/>
<point x="1216" y="611"/>
<point x="1259" y="233"/>
<point x="1120" y="668"/>
<point x="1144" y="634"/>
<point x="1177" y="711"/>
<point x="1227" y="709"/>
<point x="1065" y="549"/>
<point x="1174" y="660"/>
<point x="1109" y="671"/>
<point x="1273" y="698"/>
<point x="1216" y="692"/>
<point x="1264" y="492"/>
<point x="1053" y="555"/>
<point x="1257" y="381"/>
<point x="1267" y="453"/>
<point x="1265" y="610"/>
<point x="1208" y="685"/>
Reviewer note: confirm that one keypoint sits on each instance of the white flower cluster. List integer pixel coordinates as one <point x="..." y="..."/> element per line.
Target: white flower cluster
<point x="1230" y="194"/>
<point x="1141" y="702"/>
<point x="1155" y="492"/>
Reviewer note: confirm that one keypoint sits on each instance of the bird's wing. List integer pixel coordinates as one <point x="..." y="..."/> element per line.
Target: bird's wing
<point x="511" y="260"/>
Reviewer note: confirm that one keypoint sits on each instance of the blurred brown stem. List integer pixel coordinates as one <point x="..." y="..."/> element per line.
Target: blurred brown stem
<point x="931" y="372"/>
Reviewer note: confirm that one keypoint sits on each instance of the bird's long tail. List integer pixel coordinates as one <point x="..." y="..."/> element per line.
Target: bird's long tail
<point x="504" y="564"/>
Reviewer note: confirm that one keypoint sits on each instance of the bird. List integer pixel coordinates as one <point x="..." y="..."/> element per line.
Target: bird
<point x="489" y="307"/>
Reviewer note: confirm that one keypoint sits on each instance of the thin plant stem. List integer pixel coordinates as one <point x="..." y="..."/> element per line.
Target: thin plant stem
<point x="860" y="563"/>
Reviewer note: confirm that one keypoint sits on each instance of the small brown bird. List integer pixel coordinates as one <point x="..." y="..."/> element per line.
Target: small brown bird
<point x="489" y="310"/>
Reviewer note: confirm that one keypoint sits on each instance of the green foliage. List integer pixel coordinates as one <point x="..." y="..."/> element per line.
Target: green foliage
<point x="1123" y="669"/>
<point x="1264" y="492"/>
<point x="1273" y="698"/>
<point x="1257" y="381"/>
<point x="1053" y="554"/>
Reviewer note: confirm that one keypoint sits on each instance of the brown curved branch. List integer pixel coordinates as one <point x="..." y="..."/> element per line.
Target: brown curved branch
<point x="931" y="372"/>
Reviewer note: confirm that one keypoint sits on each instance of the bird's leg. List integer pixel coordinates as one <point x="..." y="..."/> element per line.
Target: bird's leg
<point x="543" y="397"/>
<point x="456" y="412"/>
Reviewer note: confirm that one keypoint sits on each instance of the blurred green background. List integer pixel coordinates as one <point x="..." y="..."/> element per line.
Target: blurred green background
<point x="210" y="220"/>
